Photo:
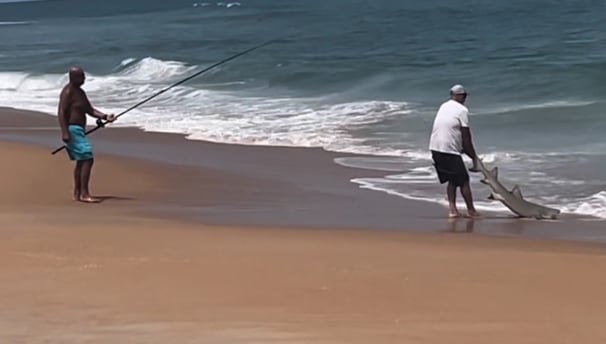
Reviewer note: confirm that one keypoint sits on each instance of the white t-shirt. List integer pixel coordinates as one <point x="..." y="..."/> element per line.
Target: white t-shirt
<point x="446" y="135"/>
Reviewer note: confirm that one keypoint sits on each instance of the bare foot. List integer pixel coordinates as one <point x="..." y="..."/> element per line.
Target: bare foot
<point x="452" y="215"/>
<point x="89" y="199"/>
<point x="473" y="214"/>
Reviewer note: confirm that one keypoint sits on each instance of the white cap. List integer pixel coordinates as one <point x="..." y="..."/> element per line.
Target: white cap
<point x="458" y="89"/>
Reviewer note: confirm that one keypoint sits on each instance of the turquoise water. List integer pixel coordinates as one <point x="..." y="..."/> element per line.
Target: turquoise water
<point x="349" y="76"/>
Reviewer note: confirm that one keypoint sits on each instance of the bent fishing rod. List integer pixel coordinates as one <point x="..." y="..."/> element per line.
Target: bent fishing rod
<point x="101" y="123"/>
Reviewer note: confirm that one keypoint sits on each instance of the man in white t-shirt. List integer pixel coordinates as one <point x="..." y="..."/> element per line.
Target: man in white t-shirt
<point x="450" y="137"/>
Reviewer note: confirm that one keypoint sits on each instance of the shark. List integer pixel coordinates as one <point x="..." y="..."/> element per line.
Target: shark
<point x="513" y="200"/>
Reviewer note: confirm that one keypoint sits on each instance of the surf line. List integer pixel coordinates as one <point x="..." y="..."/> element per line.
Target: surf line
<point x="101" y="123"/>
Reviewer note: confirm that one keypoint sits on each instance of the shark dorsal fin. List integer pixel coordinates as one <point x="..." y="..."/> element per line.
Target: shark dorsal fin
<point x="516" y="192"/>
<point x="494" y="172"/>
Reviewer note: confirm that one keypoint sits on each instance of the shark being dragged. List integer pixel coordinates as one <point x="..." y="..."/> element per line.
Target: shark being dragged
<point x="513" y="199"/>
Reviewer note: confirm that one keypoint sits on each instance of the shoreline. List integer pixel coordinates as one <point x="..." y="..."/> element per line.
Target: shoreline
<point x="281" y="186"/>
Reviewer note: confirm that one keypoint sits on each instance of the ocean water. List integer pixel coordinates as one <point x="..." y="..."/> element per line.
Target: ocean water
<point x="359" y="76"/>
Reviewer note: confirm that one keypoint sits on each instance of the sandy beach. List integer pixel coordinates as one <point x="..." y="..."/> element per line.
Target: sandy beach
<point x="206" y="243"/>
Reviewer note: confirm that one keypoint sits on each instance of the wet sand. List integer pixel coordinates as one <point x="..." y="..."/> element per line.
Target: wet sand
<point x="206" y="243"/>
<point x="274" y="186"/>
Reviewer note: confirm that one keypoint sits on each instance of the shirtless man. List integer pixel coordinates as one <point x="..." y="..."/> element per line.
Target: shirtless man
<point x="73" y="107"/>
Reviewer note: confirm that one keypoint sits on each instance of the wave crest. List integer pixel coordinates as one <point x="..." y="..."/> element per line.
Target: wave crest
<point x="149" y="69"/>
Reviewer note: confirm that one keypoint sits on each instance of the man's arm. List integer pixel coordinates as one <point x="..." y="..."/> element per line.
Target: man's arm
<point x="468" y="147"/>
<point x="63" y="114"/>
<point x="468" y="144"/>
<point x="94" y="112"/>
<point x="98" y="114"/>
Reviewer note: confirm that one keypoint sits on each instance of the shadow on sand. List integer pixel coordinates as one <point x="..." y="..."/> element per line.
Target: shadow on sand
<point x="105" y="198"/>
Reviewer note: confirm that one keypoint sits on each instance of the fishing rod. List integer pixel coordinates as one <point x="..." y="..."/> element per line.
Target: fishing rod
<point x="101" y="123"/>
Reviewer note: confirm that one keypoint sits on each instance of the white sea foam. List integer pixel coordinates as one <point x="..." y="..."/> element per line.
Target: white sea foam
<point x="417" y="180"/>
<point x="375" y="184"/>
<point x="209" y="115"/>
<point x="218" y="4"/>
<point x="404" y="186"/>
<point x="10" y="23"/>
<point x="10" y="1"/>
<point x="150" y="69"/>
<point x="534" y="106"/>
<point x="593" y="205"/>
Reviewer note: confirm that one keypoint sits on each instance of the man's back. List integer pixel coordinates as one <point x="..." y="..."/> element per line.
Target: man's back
<point x="446" y="136"/>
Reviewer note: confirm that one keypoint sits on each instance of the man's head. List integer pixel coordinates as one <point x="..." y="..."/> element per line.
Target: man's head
<point x="458" y="93"/>
<point x="76" y="76"/>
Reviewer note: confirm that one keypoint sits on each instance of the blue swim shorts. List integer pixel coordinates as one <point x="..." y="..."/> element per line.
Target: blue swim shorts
<point x="78" y="146"/>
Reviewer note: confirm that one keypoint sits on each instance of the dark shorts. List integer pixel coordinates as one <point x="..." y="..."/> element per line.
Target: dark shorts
<point x="450" y="168"/>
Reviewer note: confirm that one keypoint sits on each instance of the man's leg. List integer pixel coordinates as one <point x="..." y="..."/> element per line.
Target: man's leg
<point x="85" y="196"/>
<point x="466" y="192"/>
<point x="451" y="190"/>
<point x="77" y="180"/>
